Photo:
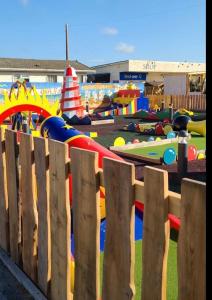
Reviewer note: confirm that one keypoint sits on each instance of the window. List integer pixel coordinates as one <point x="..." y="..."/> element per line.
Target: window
<point x="99" y="78"/>
<point x="51" y="78"/>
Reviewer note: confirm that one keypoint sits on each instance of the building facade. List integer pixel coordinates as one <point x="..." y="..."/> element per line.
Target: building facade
<point x="150" y="72"/>
<point x="34" y="70"/>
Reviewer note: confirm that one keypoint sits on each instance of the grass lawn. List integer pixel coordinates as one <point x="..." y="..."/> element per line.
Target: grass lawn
<point x="199" y="142"/>
<point x="172" y="286"/>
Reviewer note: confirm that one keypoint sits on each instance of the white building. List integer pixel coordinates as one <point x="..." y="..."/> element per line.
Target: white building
<point x="34" y="70"/>
<point x="168" y="73"/>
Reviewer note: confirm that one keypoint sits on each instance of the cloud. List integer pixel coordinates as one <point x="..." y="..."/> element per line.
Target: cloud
<point x="110" y="31"/>
<point x="125" y="48"/>
<point x="24" y="2"/>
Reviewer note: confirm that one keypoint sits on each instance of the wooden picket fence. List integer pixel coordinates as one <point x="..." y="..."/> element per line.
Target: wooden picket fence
<point x="35" y="222"/>
<point x="189" y="102"/>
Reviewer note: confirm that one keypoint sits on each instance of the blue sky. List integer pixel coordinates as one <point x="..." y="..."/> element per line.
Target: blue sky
<point x="102" y="31"/>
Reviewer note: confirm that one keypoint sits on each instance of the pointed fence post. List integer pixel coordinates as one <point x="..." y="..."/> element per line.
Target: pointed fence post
<point x="156" y="231"/>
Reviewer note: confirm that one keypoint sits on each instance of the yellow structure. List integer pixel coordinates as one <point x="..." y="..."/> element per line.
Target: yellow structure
<point x="27" y="98"/>
<point x="198" y="127"/>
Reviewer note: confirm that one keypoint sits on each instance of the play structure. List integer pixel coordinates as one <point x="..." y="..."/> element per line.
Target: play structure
<point x="126" y="96"/>
<point x="160" y="114"/>
<point x="23" y="99"/>
<point x="185" y="123"/>
<point x="158" y="129"/>
<point x="152" y="115"/>
<point x="181" y="122"/>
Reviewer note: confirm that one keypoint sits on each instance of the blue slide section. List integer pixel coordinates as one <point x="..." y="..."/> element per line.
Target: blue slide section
<point x="138" y="230"/>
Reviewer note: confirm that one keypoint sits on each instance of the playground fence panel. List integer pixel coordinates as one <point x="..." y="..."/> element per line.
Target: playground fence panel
<point x="155" y="238"/>
<point x="28" y="207"/>
<point x="86" y="222"/>
<point x="119" y="255"/>
<point x="41" y="153"/>
<point x="60" y="221"/>
<point x="4" y="226"/>
<point x="41" y="203"/>
<point x="189" y="102"/>
<point x="12" y="181"/>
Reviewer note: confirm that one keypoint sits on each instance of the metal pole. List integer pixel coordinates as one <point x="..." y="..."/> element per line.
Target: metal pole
<point x="182" y="164"/>
<point x="67" y="46"/>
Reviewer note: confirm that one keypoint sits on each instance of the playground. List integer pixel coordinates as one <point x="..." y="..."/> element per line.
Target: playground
<point x="101" y="204"/>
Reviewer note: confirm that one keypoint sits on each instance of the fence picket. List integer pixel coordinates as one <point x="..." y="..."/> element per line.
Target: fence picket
<point x="14" y="204"/>
<point x="86" y="213"/>
<point x="192" y="241"/>
<point x="44" y="242"/>
<point x="156" y="230"/>
<point x="119" y="256"/>
<point x="4" y="217"/>
<point x="60" y="221"/>
<point x="29" y="206"/>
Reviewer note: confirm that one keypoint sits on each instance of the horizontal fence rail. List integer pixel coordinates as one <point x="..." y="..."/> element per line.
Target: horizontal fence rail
<point x="35" y="222"/>
<point x="189" y="102"/>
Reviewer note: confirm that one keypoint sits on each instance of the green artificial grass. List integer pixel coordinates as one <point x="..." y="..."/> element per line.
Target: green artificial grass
<point x="199" y="142"/>
<point x="108" y="140"/>
<point x="172" y="285"/>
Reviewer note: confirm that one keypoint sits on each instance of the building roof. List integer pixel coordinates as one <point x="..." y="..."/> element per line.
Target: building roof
<point x="111" y="64"/>
<point x="38" y="64"/>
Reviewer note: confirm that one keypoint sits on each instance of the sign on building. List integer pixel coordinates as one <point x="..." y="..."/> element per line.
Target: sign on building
<point x="132" y="76"/>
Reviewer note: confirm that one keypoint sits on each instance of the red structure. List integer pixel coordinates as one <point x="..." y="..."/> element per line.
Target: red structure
<point x="23" y="107"/>
<point x="70" y="99"/>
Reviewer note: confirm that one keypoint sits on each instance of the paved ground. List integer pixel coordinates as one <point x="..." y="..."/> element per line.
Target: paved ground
<point x="10" y="288"/>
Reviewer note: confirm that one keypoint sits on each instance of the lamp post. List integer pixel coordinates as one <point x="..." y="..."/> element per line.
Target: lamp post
<point x="182" y="164"/>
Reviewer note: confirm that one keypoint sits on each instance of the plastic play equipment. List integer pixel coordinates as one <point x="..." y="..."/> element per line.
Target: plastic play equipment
<point x="160" y="128"/>
<point x="71" y="104"/>
<point x="171" y="135"/>
<point x="70" y="99"/>
<point x="56" y="128"/>
<point x="125" y="96"/>
<point x="152" y="116"/>
<point x="119" y="141"/>
<point x="185" y="123"/>
<point x="169" y="156"/>
<point x="192" y="152"/>
<point x="20" y="99"/>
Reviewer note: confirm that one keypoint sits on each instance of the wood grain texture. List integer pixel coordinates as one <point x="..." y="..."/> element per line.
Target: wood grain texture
<point x="86" y="212"/>
<point x="43" y="191"/>
<point x="192" y="241"/>
<point x="60" y="221"/>
<point x="119" y="257"/>
<point x="14" y="204"/>
<point x="156" y="230"/>
<point x="4" y="216"/>
<point x="29" y="206"/>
